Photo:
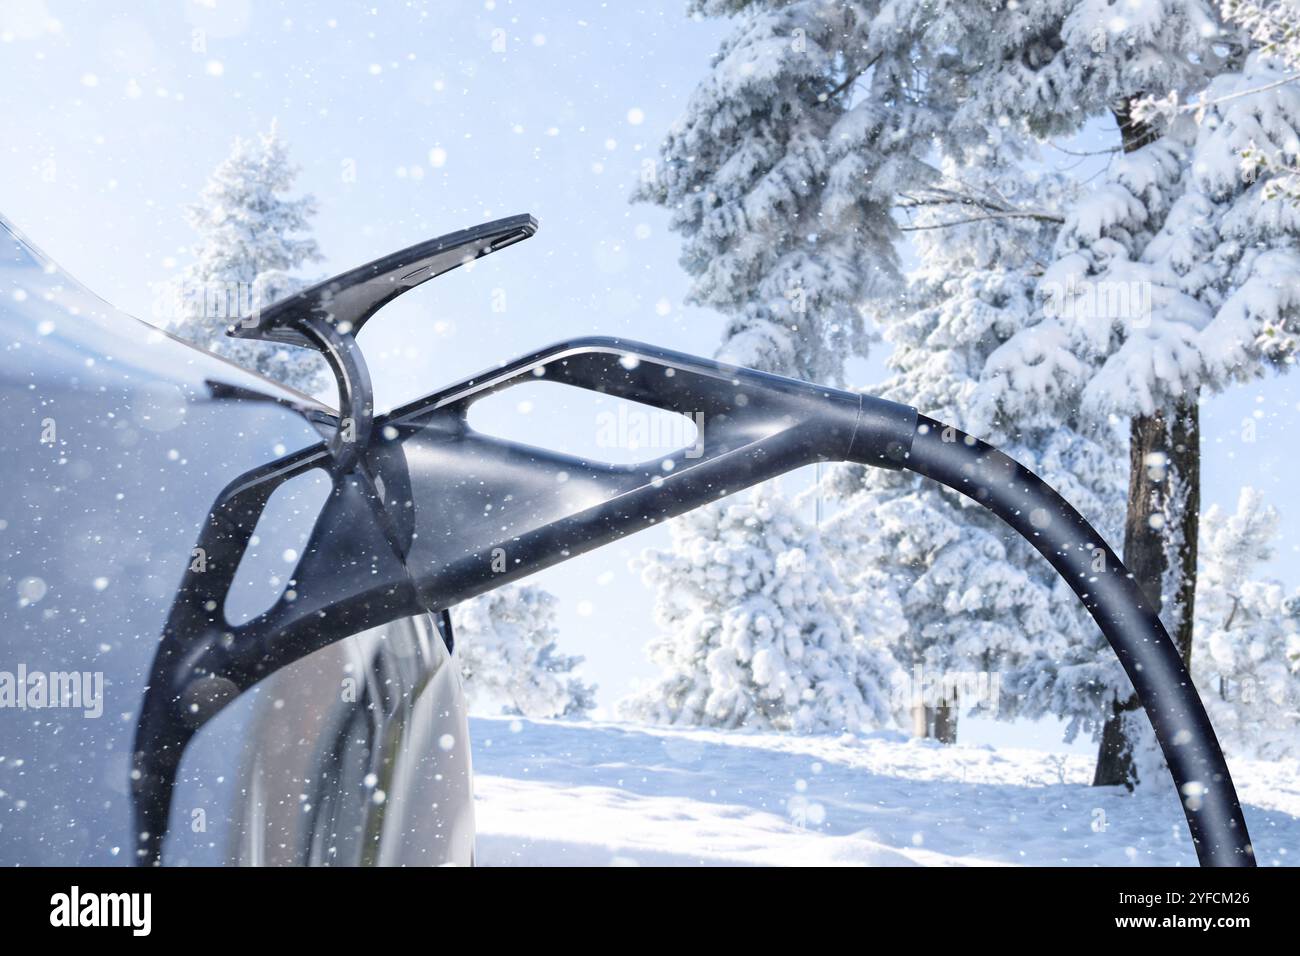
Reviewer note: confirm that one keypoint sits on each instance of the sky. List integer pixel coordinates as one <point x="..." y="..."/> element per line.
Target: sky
<point x="410" y="120"/>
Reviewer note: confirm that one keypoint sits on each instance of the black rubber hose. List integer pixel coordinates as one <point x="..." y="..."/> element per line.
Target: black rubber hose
<point x="1126" y="617"/>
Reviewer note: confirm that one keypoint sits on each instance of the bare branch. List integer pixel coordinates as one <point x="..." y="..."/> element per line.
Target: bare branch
<point x="1010" y="214"/>
<point x="1090" y="152"/>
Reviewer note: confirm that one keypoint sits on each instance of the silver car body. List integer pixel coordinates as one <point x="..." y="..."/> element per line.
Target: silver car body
<point x="117" y="439"/>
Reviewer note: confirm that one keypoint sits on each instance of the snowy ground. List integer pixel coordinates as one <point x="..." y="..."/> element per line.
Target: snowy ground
<point x="559" y="792"/>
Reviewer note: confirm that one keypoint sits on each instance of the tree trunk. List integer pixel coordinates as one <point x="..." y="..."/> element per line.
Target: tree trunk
<point x="938" y="723"/>
<point x="1163" y="517"/>
<point x="945" y="721"/>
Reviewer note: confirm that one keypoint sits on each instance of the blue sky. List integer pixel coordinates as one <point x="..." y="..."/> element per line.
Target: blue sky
<point x="410" y="120"/>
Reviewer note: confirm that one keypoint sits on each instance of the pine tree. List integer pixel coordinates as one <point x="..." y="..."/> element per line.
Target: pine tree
<point x="506" y="647"/>
<point x="1175" y="275"/>
<point x="977" y="598"/>
<point x="1146" y="270"/>
<point x="781" y="177"/>
<point x="1254" y="283"/>
<point x="1116" y="337"/>
<point x="1089" y="59"/>
<point x="251" y="239"/>
<point x="1275" y="26"/>
<point x="1247" y="635"/>
<point x="757" y="631"/>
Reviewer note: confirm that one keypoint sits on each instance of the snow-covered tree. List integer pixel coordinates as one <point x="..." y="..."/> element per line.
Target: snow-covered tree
<point x="1176" y="274"/>
<point x="757" y="631"/>
<point x="781" y="177"/>
<point x="1247" y="635"/>
<point x="1275" y="26"/>
<point x="976" y="597"/>
<point x="506" y="645"/>
<point x="1165" y="280"/>
<point x="1255" y="289"/>
<point x="252" y="238"/>
<point x="817" y="115"/>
